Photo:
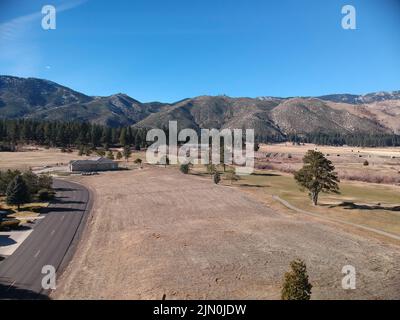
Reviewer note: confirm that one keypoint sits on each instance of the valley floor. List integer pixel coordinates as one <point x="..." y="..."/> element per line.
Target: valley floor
<point x="155" y="232"/>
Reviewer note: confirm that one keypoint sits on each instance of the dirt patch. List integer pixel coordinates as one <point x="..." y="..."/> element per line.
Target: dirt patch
<point x="156" y="231"/>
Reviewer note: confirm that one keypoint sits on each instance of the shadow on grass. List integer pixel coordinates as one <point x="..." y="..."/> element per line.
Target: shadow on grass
<point x="200" y="174"/>
<point x="348" y="205"/>
<point x="14" y="293"/>
<point x="266" y="174"/>
<point x="252" y="185"/>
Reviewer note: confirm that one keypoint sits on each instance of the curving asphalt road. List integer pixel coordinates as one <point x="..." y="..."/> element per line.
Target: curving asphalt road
<point x="52" y="242"/>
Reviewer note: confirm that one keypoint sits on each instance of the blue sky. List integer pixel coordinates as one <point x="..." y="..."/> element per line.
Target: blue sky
<point x="167" y="50"/>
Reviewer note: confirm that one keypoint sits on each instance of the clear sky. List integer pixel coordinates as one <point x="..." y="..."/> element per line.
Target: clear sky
<point x="167" y="50"/>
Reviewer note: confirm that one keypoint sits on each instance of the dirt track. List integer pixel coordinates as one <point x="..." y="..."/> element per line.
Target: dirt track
<point x="156" y="231"/>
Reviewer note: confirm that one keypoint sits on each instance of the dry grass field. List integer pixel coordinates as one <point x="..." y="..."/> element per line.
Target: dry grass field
<point x="156" y="231"/>
<point x="383" y="163"/>
<point x="41" y="157"/>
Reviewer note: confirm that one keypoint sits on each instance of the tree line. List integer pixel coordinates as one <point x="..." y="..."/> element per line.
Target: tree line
<point x="67" y="134"/>
<point x="355" y="140"/>
<point x="76" y="134"/>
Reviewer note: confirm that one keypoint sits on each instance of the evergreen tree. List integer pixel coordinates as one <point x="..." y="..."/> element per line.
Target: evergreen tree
<point x="6" y="178"/>
<point x="184" y="168"/>
<point x="296" y="285"/>
<point x="317" y="175"/>
<point x="122" y="137"/>
<point x="17" y="192"/>
<point x="165" y="161"/>
<point x="217" y="178"/>
<point x="127" y="152"/>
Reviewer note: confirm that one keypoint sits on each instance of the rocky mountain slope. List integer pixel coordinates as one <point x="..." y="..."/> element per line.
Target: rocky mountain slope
<point x="46" y="100"/>
<point x="376" y="113"/>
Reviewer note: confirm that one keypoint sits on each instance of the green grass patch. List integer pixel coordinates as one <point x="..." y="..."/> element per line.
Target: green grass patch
<point x="372" y="205"/>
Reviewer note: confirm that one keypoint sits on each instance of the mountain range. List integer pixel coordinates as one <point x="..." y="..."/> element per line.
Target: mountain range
<point x="374" y="113"/>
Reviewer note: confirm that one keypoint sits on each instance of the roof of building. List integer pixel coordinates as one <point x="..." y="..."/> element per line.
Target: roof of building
<point x="93" y="160"/>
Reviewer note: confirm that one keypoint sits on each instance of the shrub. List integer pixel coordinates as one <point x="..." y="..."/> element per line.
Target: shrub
<point x="184" y="168"/>
<point x="100" y="152"/>
<point x="366" y="163"/>
<point x="110" y="155"/>
<point x="138" y="161"/>
<point x="45" y="181"/>
<point x="46" y="194"/>
<point x="9" y="224"/>
<point x="217" y="178"/>
<point x="211" y="169"/>
<point x="296" y="285"/>
<point x="232" y="176"/>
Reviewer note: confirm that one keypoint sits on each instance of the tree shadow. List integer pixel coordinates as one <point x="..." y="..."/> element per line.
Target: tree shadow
<point x="266" y="174"/>
<point x="22" y="227"/>
<point x="60" y="210"/>
<point x="8" y="292"/>
<point x="59" y="201"/>
<point x="5" y="241"/>
<point x="60" y="189"/>
<point x="253" y="185"/>
<point x="6" y="212"/>
<point x="349" y="205"/>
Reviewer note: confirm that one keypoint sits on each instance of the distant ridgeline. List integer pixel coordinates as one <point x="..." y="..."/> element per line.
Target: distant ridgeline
<point x="75" y="134"/>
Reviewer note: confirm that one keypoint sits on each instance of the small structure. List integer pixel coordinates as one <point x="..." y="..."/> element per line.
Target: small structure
<point x="93" y="164"/>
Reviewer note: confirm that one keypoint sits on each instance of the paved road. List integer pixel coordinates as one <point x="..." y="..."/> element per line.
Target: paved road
<point x="51" y="243"/>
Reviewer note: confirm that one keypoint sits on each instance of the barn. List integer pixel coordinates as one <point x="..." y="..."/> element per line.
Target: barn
<point x="93" y="164"/>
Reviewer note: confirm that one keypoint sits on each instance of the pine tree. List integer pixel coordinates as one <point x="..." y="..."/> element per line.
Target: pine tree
<point x="296" y="285"/>
<point x="217" y="178"/>
<point x="127" y="152"/>
<point x="184" y="168"/>
<point x="165" y="161"/>
<point x="17" y="192"/>
<point x="123" y="137"/>
<point x="317" y="175"/>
